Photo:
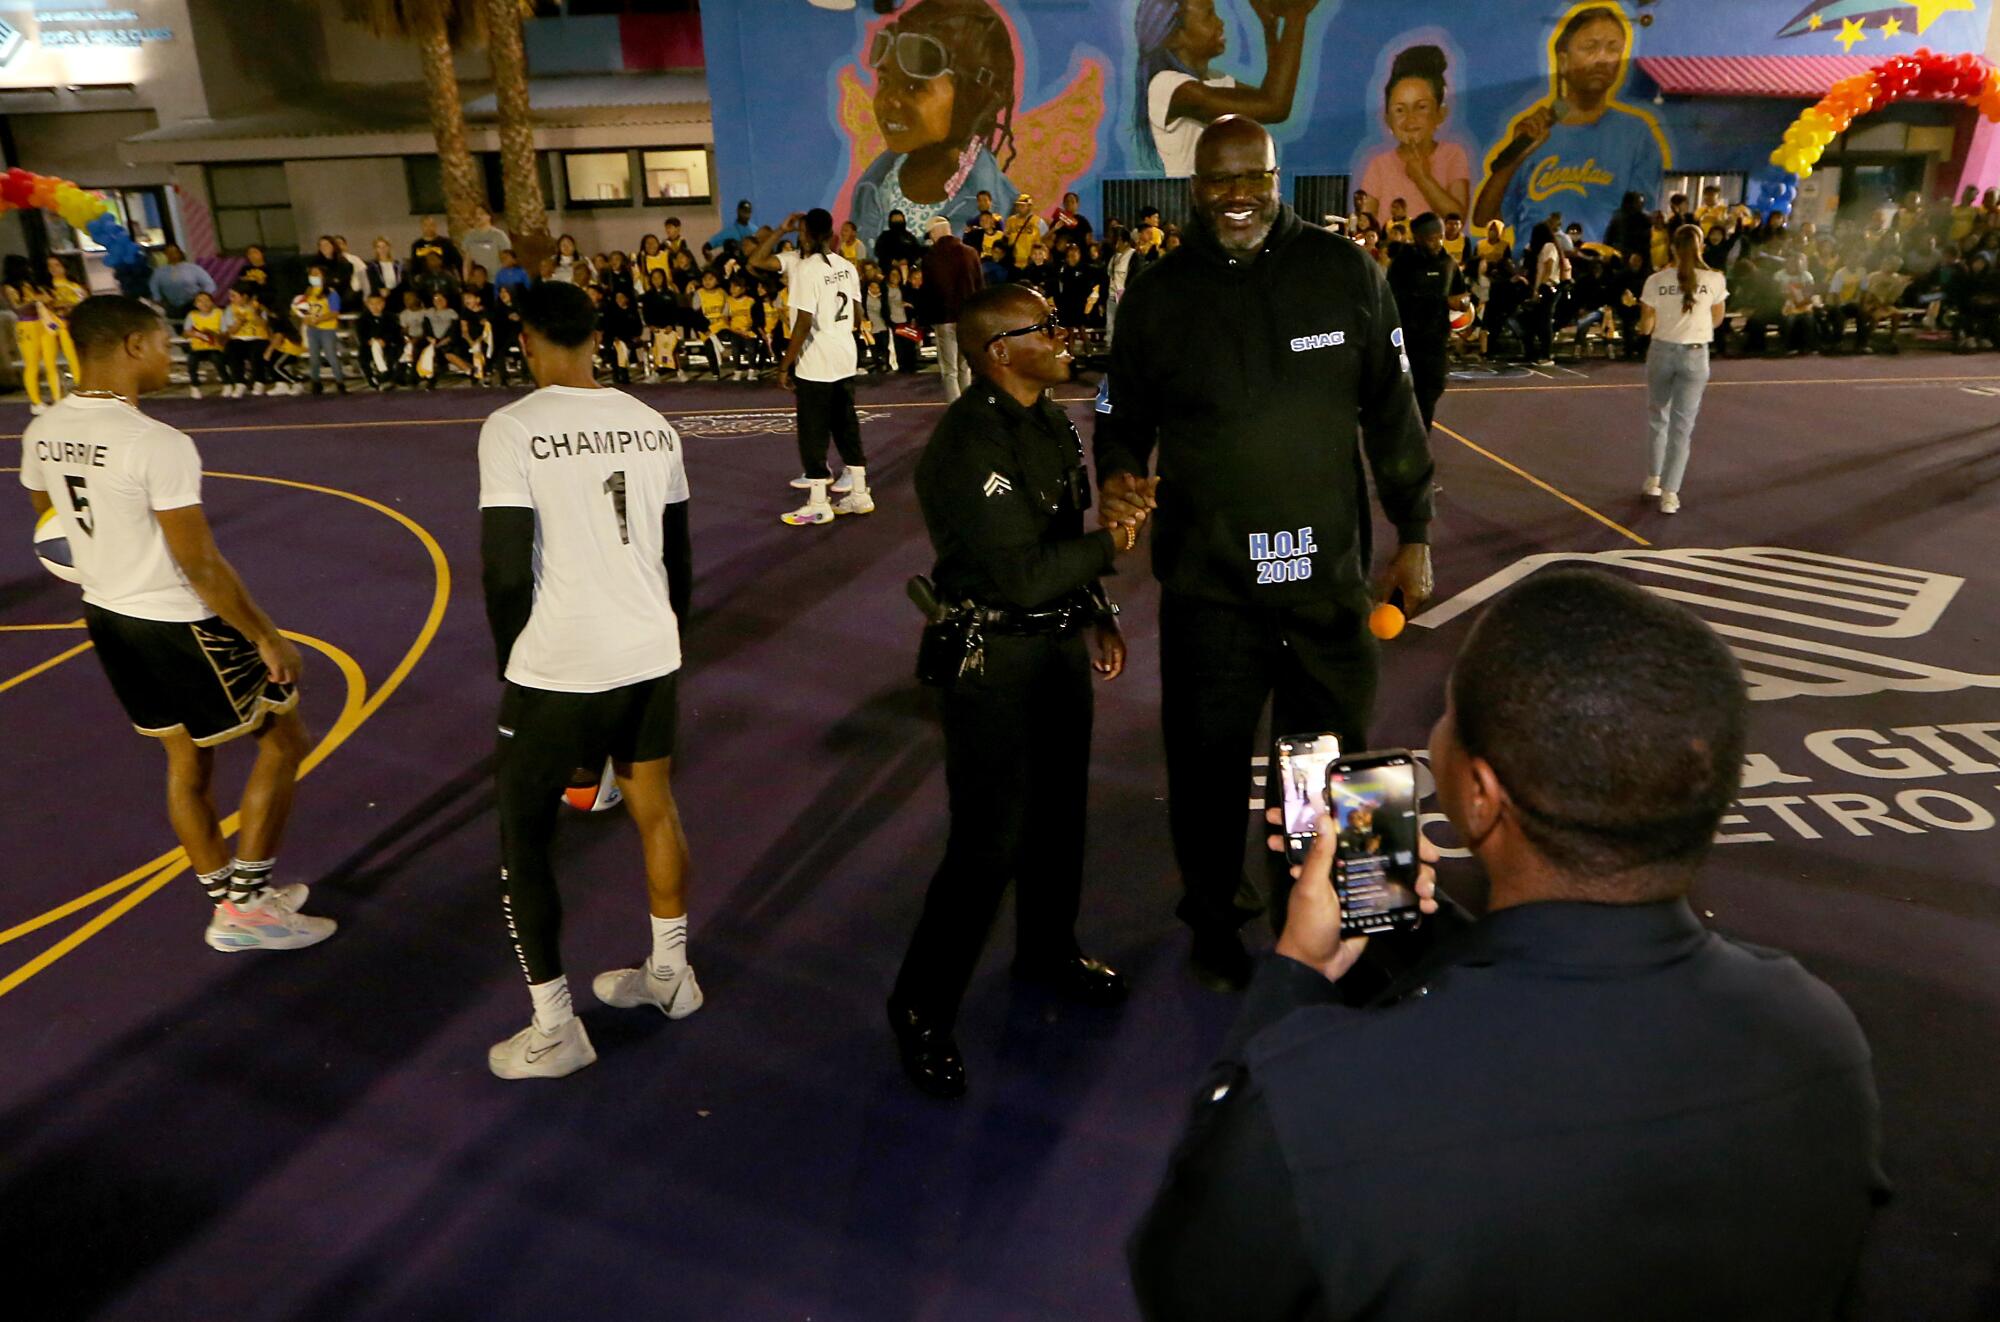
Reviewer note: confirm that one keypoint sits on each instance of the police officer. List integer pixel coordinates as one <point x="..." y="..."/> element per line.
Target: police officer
<point x="1262" y="360"/>
<point x="1429" y="287"/>
<point x="1003" y="491"/>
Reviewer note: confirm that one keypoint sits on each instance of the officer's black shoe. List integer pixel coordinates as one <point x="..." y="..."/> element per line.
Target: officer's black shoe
<point x="1079" y="980"/>
<point x="1219" y="961"/>
<point x="930" y="1055"/>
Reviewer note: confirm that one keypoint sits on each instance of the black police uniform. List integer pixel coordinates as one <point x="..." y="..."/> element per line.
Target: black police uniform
<point x="1003" y="492"/>
<point x="1262" y="383"/>
<point x="1580" y="1111"/>
<point x="1424" y="284"/>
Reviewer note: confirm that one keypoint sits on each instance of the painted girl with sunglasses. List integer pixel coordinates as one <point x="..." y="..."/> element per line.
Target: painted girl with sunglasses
<point x="944" y="99"/>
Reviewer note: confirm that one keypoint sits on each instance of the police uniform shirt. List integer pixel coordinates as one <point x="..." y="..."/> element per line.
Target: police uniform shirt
<point x="1424" y="284"/>
<point x="597" y="467"/>
<point x="1003" y="495"/>
<point x="827" y="287"/>
<point x="107" y="468"/>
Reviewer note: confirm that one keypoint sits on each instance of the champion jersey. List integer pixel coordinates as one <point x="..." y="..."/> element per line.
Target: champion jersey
<point x="107" y="467"/>
<point x="598" y="468"/>
<point x="828" y="288"/>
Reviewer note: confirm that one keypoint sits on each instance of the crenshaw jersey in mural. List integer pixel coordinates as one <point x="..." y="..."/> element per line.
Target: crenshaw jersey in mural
<point x="1584" y="171"/>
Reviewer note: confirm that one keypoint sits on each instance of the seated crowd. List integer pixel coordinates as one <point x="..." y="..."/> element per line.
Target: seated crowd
<point x="1793" y="288"/>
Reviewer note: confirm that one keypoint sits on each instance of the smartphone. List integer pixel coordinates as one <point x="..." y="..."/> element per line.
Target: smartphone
<point x="1372" y="798"/>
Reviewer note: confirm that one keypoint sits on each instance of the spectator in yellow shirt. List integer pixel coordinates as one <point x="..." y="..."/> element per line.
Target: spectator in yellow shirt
<point x="203" y="329"/>
<point x="317" y="311"/>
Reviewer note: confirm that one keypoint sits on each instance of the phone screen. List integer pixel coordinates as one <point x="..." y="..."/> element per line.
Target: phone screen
<point x="1303" y="762"/>
<point x="1373" y="802"/>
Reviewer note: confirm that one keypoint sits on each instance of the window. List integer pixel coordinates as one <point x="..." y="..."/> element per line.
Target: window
<point x="676" y="174"/>
<point x="253" y="205"/>
<point x="142" y="211"/>
<point x="1731" y="182"/>
<point x="1319" y="197"/>
<point x="425" y="175"/>
<point x="598" y="178"/>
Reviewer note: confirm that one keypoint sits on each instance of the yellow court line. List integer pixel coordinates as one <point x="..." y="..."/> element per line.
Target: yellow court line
<point x="343" y="726"/>
<point x="39" y="628"/>
<point x="49" y="664"/>
<point x="352" y="717"/>
<point x="1563" y="496"/>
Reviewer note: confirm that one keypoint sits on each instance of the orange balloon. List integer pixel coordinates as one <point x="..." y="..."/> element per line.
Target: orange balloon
<point x="1385" y="621"/>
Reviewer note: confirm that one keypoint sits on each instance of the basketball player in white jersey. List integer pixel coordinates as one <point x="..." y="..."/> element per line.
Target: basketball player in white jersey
<point x="584" y="534"/>
<point x="821" y="359"/>
<point x="192" y="659"/>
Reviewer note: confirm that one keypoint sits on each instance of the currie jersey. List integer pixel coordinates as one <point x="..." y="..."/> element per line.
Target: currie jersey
<point x="598" y="468"/>
<point x="107" y="467"/>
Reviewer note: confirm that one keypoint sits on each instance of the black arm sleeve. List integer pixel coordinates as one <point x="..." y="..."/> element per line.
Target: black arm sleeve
<point x="1392" y="428"/>
<point x="1127" y="425"/>
<point x="679" y="559"/>
<point x="1223" y="1238"/>
<point x="507" y="554"/>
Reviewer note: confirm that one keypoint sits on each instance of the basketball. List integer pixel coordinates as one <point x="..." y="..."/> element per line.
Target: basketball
<point x="1461" y="320"/>
<point x="52" y="549"/>
<point x="589" y="792"/>
<point x="1385" y="621"/>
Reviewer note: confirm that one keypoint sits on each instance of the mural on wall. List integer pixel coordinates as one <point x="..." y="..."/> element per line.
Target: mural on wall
<point x="1506" y="109"/>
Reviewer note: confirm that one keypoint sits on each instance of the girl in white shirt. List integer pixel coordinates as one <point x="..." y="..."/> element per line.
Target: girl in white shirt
<point x="1684" y="303"/>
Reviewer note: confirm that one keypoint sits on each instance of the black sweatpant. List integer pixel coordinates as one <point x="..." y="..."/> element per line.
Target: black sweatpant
<point x="247" y="357"/>
<point x="1017" y="767"/>
<point x="545" y="736"/>
<point x="826" y="408"/>
<point x="213" y="358"/>
<point x="1427" y="374"/>
<point x="1219" y="665"/>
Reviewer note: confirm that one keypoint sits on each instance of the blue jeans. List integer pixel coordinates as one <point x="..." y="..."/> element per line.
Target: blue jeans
<point x="1676" y="374"/>
<point x="323" y="345"/>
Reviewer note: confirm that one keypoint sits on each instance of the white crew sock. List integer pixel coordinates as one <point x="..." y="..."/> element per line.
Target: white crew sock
<point x="552" y="1005"/>
<point x="248" y="881"/>
<point x="816" y="492"/>
<point x="860" y="476"/>
<point x="670" y="954"/>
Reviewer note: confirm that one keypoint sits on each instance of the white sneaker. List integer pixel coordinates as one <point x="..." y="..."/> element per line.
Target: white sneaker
<point x="532" y="1054"/>
<point x="194" y="392"/>
<point x="843" y="484"/>
<point x="1670" y="501"/>
<point x="858" y="502"/>
<point x="682" y="377"/>
<point x="38" y="409"/>
<point x="268" y="926"/>
<point x="257" y="389"/>
<point x="1652" y="487"/>
<point x="810" y="513"/>
<point x="676" y="997"/>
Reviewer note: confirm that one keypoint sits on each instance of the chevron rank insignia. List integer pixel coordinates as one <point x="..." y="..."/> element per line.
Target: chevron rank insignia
<point x="997" y="485"/>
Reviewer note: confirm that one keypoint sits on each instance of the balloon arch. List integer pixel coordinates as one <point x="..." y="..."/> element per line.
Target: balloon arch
<point x="23" y="190"/>
<point x="1925" y="75"/>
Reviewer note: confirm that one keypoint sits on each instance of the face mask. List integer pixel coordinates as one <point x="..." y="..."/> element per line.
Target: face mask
<point x="317" y="282"/>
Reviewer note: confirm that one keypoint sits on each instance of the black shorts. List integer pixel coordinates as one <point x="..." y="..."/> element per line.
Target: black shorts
<point x="561" y="732"/>
<point x="202" y="679"/>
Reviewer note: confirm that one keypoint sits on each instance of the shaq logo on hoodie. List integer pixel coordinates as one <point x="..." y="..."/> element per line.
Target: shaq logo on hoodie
<point x="1323" y="340"/>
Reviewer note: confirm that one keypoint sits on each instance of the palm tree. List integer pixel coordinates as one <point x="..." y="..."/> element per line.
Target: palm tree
<point x="526" y="217"/>
<point x="434" y="26"/>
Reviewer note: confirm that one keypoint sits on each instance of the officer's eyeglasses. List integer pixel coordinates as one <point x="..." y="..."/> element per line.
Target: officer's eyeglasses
<point x="1256" y="180"/>
<point x="917" y="54"/>
<point x="1047" y="326"/>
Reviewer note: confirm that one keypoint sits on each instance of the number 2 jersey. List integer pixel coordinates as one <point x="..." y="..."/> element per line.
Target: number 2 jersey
<point x="107" y="468"/>
<point x="598" y="468"/>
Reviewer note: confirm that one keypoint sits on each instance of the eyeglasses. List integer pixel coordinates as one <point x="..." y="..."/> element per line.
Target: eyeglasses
<point x="1252" y="179"/>
<point x="917" y="54"/>
<point x="1047" y="326"/>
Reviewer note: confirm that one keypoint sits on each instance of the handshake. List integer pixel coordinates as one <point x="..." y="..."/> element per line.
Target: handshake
<point x="1125" y="503"/>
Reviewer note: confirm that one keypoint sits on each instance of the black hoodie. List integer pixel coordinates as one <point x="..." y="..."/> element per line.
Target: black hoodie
<point x="1262" y="382"/>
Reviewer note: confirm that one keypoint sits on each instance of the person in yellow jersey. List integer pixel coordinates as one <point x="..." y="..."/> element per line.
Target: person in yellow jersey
<point x="29" y="299"/>
<point x="249" y="332"/>
<point x="712" y="301"/>
<point x="65" y="294"/>
<point x="317" y="311"/>
<point x="741" y="332"/>
<point x="205" y="343"/>
<point x="653" y="256"/>
<point x="285" y="357"/>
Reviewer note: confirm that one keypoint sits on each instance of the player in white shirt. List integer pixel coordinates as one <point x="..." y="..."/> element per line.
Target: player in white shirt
<point x="192" y="659"/>
<point x="584" y="535"/>
<point x="821" y="359"/>
<point x="1684" y="303"/>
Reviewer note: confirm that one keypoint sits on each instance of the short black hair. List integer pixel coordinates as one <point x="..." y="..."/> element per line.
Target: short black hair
<point x="1427" y="223"/>
<point x="559" y="312"/>
<point x="102" y="322"/>
<point x="819" y="224"/>
<point x="1615" y="718"/>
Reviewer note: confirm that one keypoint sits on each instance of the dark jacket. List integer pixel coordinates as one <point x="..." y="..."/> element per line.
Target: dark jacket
<point x="896" y="243"/>
<point x="1581" y="1111"/>
<point x="1262" y="383"/>
<point x="1003" y="491"/>
<point x="951" y="275"/>
<point x="1424" y="284"/>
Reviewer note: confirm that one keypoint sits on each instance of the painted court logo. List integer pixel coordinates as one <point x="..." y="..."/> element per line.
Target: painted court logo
<point x="1323" y="340"/>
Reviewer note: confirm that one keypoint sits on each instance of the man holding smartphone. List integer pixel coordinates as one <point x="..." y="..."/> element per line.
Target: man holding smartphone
<point x="1261" y="423"/>
<point x="1004" y="491"/>
<point x="1585" y="1106"/>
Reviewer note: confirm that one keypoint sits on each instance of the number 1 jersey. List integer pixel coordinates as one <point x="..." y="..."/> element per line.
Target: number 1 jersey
<point x="107" y="468"/>
<point x="598" y="468"/>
